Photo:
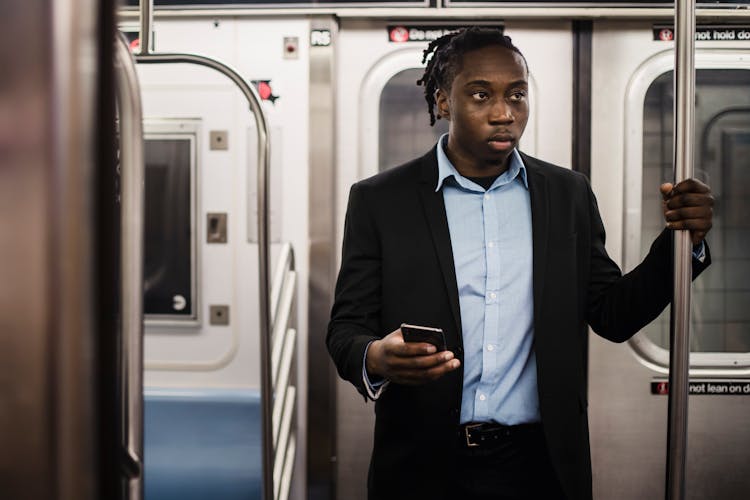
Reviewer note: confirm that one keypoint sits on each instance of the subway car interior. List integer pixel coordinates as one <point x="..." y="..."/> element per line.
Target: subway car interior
<point x="174" y="177"/>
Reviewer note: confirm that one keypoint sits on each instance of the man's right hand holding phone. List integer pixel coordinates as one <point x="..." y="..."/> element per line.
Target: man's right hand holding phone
<point x="410" y="363"/>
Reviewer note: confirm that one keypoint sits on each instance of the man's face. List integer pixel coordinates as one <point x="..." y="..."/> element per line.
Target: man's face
<point x="488" y="108"/>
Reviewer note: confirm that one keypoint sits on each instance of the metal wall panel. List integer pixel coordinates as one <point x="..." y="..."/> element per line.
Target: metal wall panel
<point x="47" y="396"/>
<point x="321" y="418"/>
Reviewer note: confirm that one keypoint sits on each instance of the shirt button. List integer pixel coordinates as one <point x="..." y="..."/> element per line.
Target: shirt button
<point x="490" y="347"/>
<point x="482" y="397"/>
<point x="493" y="295"/>
<point x="486" y="196"/>
<point x="491" y="244"/>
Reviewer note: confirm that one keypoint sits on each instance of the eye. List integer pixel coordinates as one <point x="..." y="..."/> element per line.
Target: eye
<point x="518" y="95"/>
<point x="480" y="95"/>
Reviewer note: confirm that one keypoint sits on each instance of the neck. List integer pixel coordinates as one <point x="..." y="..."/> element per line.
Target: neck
<point x="470" y="167"/>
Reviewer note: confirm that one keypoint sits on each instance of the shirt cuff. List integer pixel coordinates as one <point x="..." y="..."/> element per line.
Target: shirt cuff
<point x="376" y="388"/>
<point x="699" y="252"/>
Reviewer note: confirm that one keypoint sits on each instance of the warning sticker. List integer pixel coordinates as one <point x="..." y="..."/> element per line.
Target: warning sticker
<point x="707" y="387"/>
<point x="706" y="33"/>
<point x="426" y="33"/>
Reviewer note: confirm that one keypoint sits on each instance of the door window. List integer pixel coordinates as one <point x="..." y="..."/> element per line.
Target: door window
<point x="720" y="305"/>
<point x="169" y="279"/>
<point x="405" y="131"/>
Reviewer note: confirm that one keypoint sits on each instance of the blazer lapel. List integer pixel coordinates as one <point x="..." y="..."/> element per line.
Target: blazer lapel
<point x="539" y="230"/>
<point x="437" y="220"/>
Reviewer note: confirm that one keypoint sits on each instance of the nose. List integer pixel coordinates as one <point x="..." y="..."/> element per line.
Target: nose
<point x="501" y="112"/>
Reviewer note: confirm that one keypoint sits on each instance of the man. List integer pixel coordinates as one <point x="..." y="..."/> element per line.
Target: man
<point x="505" y="253"/>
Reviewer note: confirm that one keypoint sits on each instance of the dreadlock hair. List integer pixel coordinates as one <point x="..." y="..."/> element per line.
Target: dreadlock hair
<point x="447" y="54"/>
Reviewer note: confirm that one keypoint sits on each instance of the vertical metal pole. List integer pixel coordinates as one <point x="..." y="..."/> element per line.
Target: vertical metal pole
<point x="131" y="264"/>
<point x="147" y="9"/>
<point x="264" y="160"/>
<point x="679" y="357"/>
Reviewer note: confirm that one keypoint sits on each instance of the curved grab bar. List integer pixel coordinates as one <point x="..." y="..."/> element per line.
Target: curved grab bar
<point x="131" y="262"/>
<point x="263" y="168"/>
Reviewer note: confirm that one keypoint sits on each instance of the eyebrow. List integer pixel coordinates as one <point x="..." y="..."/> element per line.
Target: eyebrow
<point x="487" y="82"/>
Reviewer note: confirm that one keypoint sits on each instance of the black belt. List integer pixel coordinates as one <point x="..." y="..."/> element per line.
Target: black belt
<point x="486" y="433"/>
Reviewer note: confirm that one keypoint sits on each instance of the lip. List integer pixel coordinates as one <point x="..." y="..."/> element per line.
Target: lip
<point x="501" y="142"/>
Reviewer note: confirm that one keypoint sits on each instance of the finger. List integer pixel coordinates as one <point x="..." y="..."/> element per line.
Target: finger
<point x="683" y="213"/>
<point x="666" y="190"/>
<point x="690" y="200"/>
<point x="419" y="362"/>
<point x="691" y="186"/>
<point x="415" y="377"/>
<point x="691" y="224"/>
<point x="410" y="349"/>
<point x="394" y="344"/>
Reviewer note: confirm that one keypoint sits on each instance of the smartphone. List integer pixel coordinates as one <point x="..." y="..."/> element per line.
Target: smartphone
<point x="430" y="335"/>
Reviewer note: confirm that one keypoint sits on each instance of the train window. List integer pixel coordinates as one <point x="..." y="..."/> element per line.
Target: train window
<point x="169" y="279"/>
<point x="405" y="131"/>
<point x="720" y="316"/>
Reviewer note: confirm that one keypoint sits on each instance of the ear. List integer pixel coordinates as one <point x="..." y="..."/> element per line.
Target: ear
<point x="442" y="103"/>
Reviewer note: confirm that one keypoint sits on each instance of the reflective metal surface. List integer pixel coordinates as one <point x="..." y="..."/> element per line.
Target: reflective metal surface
<point x="48" y="98"/>
<point x="547" y="11"/>
<point x="284" y="413"/>
<point x="321" y="414"/>
<point x="679" y="359"/>
<point x="147" y="21"/>
<point x="132" y="175"/>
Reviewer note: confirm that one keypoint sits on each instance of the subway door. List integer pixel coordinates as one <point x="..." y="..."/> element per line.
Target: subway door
<point x="383" y="121"/>
<point x="631" y="155"/>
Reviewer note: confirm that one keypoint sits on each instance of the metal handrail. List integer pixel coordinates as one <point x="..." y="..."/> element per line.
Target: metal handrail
<point x="131" y="262"/>
<point x="282" y="354"/>
<point x="279" y="329"/>
<point x="285" y="263"/>
<point x="679" y="356"/>
<point x="264" y="146"/>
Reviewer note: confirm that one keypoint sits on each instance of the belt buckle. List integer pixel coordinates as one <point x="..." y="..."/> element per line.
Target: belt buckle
<point x="467" y="428"/>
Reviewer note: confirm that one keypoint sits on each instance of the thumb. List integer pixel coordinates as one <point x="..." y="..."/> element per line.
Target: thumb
<point x="666" y="189"/>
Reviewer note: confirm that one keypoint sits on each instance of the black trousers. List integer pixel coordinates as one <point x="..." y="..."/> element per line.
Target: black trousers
<point x="515" y="467"/>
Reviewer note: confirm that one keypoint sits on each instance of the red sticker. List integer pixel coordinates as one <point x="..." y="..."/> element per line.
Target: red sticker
<point x="666" y="35"/>
<point x="264" y="90"/>
<point x="399" y="34"/>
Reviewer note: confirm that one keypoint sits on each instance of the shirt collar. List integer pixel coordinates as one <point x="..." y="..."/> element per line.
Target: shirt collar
<point x="446" y="168"/>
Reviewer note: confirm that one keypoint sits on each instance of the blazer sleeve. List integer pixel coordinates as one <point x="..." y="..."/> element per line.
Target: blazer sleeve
<point x="619" y="306"/>
<point x="355" y="317"/>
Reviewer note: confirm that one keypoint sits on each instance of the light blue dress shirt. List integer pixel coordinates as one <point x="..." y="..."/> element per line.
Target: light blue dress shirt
<point x="492" y="252"/>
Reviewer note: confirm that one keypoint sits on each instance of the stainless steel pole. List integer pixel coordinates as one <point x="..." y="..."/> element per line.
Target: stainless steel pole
<point x="147" y="9"/>
<point x="679" y="356"/>
<point x="131" y="261"/>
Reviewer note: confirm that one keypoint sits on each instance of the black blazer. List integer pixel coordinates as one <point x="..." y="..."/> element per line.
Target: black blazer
<point x="397" y="267"/>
